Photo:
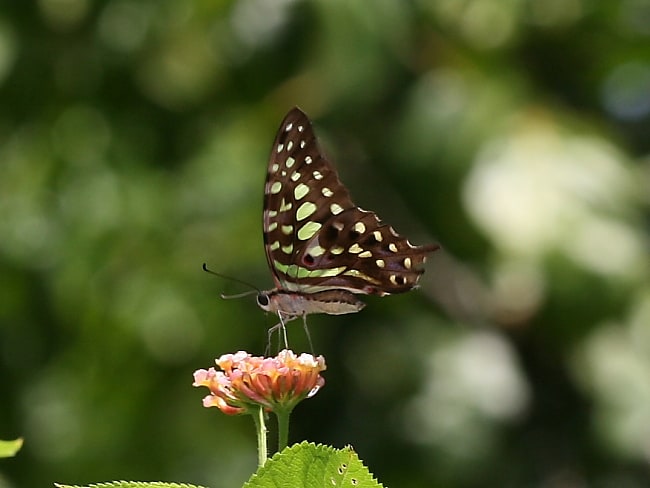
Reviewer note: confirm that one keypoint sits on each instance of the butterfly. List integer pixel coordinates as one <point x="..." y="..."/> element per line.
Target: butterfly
<point x="321" y="248"/>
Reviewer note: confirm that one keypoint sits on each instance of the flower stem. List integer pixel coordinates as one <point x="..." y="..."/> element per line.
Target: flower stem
<point x="260" y="426"/>
<point x="283" y="427"/>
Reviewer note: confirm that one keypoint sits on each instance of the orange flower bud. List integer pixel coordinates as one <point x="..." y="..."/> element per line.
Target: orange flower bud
<point x="277" y="383"/>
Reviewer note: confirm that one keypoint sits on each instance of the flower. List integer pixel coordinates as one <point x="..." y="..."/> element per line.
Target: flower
<point x="276" y="384"/>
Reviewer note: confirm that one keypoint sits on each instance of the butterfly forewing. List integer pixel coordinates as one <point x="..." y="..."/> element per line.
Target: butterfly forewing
<point x="299" y="182"/>
<point x="315" y="238"/>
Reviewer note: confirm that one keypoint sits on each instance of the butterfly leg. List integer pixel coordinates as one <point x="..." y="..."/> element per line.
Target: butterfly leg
<point x="280" y="326"/>
<point x="277" y="326"/>
<point x="283" y="327"/>
<point x="304" y="324"/>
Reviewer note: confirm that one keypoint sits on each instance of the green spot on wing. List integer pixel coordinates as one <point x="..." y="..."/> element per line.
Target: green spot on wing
<point x="323" y="273"/>
<point x="308" y="230"/>
<point x="295" y="271"/>
<point x="291" y="270"/>
<point x="300" y="191"/>
<point x="305" y="210"/>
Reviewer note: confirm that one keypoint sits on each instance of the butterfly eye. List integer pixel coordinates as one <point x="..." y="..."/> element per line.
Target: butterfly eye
<point x="263" y="300"/>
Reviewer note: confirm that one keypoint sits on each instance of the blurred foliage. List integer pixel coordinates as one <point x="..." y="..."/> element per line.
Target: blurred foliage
<point x="133" y="142"/>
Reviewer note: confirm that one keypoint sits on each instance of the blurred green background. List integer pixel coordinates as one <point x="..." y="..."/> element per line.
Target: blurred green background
<point x="134" y="137"/>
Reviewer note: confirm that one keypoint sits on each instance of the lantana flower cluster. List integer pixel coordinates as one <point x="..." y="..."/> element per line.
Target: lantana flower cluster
<point x="247" y="382"/>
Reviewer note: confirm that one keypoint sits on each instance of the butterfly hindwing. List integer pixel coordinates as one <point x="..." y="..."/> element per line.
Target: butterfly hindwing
<point x="370" y="257"/>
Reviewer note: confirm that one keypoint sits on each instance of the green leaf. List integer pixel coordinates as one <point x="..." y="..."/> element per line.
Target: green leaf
<point x="315" y="466"/>
<point x="131" y="484"/>
<point x="10" y="448"/>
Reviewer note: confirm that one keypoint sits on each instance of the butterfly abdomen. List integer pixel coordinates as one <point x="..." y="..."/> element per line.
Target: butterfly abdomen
<point x="333" y="302"/>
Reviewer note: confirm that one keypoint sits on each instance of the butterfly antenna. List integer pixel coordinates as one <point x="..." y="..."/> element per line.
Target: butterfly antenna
<point x="255" y="290"/>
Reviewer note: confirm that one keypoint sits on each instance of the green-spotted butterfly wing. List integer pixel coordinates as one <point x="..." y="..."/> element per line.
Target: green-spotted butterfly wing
<point x="320" y="247"/>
